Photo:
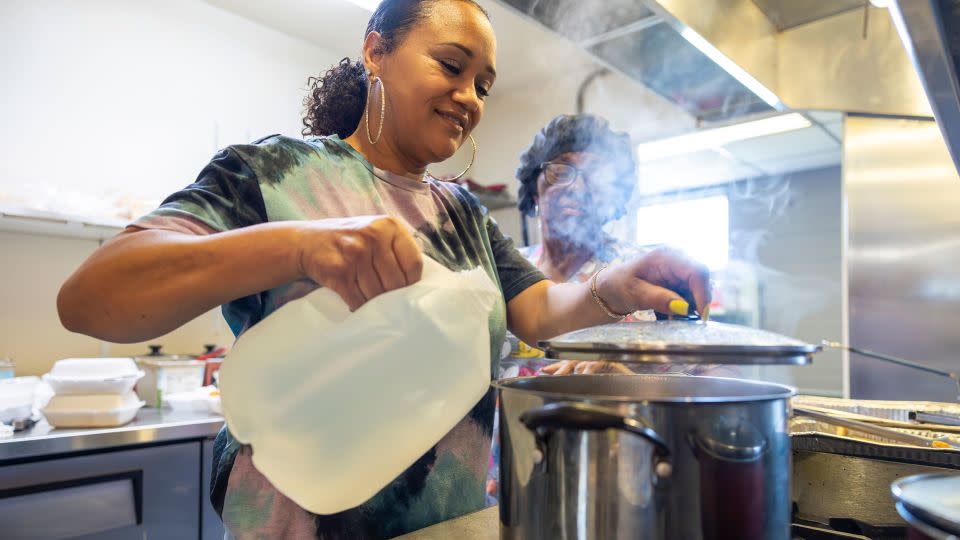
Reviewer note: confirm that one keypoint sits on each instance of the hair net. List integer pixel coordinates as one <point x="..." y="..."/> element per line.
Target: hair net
<point x="580" y="133"/>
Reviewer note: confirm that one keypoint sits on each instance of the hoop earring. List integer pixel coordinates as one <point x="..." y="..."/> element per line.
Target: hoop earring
<point x="383" y="108"/>
<point x="463" y="172"/>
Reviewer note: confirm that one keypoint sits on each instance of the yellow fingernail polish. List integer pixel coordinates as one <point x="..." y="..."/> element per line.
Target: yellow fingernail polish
<point x="705" y="316"/>
<point x="680" y="307"/>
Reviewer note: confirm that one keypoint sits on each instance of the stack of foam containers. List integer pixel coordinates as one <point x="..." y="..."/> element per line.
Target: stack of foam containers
<point x="92" y="392"/>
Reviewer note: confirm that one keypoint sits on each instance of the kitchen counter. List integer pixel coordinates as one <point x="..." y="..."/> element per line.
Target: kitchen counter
<point x="151" y="426"/>
<point x="482" y="525"/>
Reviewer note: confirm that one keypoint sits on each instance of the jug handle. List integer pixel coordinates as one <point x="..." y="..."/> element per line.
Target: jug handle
<point x="590" y="417"/>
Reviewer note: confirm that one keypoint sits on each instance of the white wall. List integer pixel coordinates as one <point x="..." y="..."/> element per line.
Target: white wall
<point x="106" y="100"/>
<point x="33" y="268"/>
<point x="790" y="230"/>
<point x="112" y="100"/>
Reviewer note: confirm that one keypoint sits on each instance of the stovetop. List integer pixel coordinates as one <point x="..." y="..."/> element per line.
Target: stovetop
<point x="844" y="530"/>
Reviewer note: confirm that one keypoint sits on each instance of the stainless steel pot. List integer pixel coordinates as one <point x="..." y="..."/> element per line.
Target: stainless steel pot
<point x="928" y="503"/>
<point x="644" y="456"/>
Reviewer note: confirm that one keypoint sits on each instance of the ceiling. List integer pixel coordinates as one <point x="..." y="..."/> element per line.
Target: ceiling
<point x="809" y="148"/>
<point x="526" y="54"/>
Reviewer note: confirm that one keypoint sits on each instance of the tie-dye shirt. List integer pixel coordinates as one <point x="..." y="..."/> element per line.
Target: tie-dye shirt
<point x="280" y="178"/>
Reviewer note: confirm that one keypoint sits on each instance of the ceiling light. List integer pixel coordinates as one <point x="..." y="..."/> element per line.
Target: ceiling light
<point x="717" y="137"/>
<point x="368" y="5"/>
<point x="880" y="3"/>
<point x="731" y="67"/>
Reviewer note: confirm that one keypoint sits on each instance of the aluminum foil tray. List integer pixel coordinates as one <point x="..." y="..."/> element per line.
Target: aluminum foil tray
<point x="895" y="413"/>
<point x="803" y="425"/>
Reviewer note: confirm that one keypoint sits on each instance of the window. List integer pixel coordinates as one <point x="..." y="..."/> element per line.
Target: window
<point x="700" y="227"/>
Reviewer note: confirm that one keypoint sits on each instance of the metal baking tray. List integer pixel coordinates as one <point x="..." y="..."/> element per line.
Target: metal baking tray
<point x="898" y="414"/>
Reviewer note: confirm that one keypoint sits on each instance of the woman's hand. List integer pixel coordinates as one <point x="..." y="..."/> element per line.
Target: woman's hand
<point x="585" y="367"/>
<point x="359" y="258"/>
<point x="665" y="280"/>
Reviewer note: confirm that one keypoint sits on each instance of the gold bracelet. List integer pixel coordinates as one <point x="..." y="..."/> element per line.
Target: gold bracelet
<point x="603" y="305"/>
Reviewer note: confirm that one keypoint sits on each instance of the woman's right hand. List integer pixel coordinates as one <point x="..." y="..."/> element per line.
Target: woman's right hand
<point x="359" y="258"/>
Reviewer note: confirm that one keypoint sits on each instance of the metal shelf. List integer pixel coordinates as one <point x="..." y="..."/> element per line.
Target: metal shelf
<point x="24" y="220"/>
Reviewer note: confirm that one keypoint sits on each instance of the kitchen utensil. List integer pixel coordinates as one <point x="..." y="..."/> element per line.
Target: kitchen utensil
<point x="156" y="353"/>
<point x="212" y="351"/>
<point x="934" y="418"/>
<point x="887" y="411"/>
<point x="955" y="377"/>
<point x="660" y="456"/>
<point x="929" y="503"/>
<point x="679" y="342"/>
<point x="886" y="433"/>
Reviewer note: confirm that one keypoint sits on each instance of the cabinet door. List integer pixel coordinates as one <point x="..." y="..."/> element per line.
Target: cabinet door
<point x="211" y="528"/>
<point x="149" y="492"/>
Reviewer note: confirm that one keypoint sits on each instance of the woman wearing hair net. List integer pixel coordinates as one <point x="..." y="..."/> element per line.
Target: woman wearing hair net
<point x="576" y="177"/>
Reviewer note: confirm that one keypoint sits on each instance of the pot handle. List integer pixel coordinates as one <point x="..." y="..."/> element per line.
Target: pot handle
<point x="590" y="417"/>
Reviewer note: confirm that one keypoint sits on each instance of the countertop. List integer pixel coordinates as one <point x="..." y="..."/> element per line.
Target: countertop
<point x="150" y="426"/>
<point x="482" y="525"/>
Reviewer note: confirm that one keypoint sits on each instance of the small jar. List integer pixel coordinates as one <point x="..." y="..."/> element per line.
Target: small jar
<point x="6" y="368"/>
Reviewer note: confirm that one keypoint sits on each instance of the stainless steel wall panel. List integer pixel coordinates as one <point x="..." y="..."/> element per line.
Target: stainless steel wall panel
<point x="903" y="197"/>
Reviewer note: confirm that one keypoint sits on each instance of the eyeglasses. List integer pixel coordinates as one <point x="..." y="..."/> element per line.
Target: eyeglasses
<point x="563" y="174"/>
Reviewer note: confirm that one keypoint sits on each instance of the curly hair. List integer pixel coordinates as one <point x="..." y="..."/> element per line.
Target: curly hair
<point x="335" y="100"/>
<point x="580" y="133"/>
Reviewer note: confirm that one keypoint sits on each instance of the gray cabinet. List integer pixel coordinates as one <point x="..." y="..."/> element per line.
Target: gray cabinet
<point x="211" y="528"/>
<point x="150" y="492"/>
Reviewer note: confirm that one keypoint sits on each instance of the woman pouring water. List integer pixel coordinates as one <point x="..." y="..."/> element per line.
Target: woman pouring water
<point x="353" y="208"/>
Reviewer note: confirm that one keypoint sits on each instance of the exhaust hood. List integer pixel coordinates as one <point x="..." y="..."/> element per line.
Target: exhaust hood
<point x="643" y="42"/>
<point x="930" y="30"/>
<point x="723" y="61"/>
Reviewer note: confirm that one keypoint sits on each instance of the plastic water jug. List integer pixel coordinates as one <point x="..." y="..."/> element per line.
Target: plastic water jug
<point x="336" y="404"/>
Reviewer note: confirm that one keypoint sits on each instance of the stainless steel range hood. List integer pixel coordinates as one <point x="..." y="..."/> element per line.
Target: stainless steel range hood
<point x="930" y="30"/>
<point x="721" y="60"/>
<point x="646" y="43"/>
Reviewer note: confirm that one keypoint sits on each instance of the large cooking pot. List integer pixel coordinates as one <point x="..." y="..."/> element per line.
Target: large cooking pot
<point x="644" y="456"/>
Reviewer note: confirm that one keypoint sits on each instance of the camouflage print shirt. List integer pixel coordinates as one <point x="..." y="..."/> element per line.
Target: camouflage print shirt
<point x="279" y="178"/>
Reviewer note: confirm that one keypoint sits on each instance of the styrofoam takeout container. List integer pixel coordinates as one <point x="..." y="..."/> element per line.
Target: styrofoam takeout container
<point x="16" y="398"/>
<point x="93" y="376"/>
<point x="97" y="410"/>
<point x="206" y="399"/>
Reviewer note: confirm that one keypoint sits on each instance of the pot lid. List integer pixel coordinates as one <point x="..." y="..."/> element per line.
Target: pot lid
<point x="934" y="499"/>
<point x="679" y="342"/>
<point x="156" y="353"/>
